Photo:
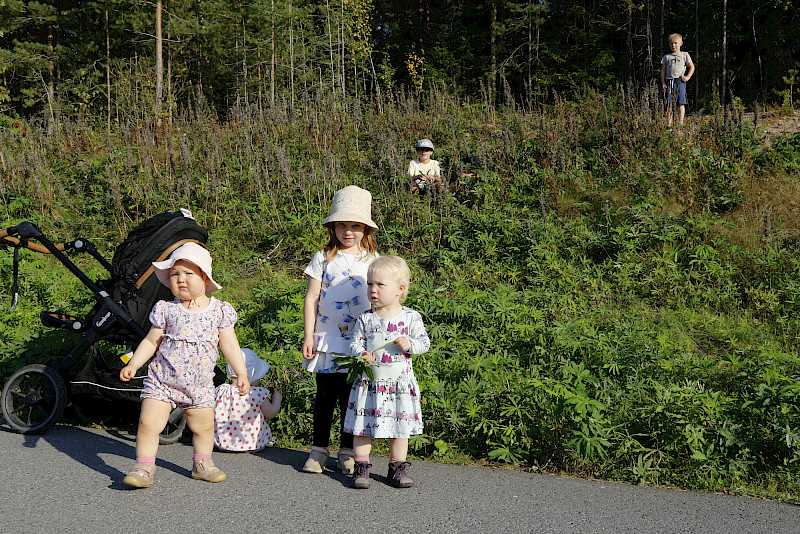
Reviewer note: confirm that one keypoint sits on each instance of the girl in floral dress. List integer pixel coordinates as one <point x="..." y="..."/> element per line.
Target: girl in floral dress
<point x="336" y="295"/>
<point x="185" y="337"/>
<point x="388" y="406"/>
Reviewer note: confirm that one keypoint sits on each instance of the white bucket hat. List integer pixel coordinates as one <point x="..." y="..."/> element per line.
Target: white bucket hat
<point x="351" y="204"/>
<point x="191" y="252"/>
<point x="424" y="143"/>
<point x="256" y="367"/>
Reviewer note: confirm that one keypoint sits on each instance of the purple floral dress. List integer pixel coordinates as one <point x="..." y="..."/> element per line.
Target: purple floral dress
<point x="390" y="405"/>
<point x="182" y="372"/>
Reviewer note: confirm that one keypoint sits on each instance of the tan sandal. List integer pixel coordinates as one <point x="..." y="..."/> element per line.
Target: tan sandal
<point x="316" y="462"/>
<point x="206" y="470"/>
<point x="141" y="476"/>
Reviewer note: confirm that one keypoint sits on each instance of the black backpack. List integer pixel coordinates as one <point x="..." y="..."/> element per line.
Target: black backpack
<point x="133" y="283"/>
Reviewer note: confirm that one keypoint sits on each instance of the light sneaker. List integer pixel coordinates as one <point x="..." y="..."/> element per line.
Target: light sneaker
<point x="141" y="476"/>
<point x="316" y="462"/>
<point x="345" y="461"/>
<point x="206" y="470"/>
<point x="398" y="476"/>
<point x="361" y="475"/>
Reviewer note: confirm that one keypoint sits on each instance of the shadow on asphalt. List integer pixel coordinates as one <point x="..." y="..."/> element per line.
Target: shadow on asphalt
<point x="296" y="459"/>
<point x="85" y="447"/>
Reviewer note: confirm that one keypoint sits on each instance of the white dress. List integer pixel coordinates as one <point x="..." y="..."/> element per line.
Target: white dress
<point x="239" y="423"/>
<point x="390" y="405"/>
<point x="342" y="298"/>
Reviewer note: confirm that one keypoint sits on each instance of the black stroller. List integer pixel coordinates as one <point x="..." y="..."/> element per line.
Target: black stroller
<point x="34" y="397"/>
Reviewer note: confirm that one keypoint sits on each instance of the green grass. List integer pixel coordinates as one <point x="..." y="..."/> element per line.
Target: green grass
<point x="604" y="298"/>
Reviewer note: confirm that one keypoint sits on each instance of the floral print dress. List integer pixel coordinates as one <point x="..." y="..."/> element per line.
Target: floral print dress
<point x="182" y="371"/>
<point x="390" y="405"/>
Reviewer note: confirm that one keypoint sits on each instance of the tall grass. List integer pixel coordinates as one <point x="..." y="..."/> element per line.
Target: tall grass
<point x="604" y="297"/>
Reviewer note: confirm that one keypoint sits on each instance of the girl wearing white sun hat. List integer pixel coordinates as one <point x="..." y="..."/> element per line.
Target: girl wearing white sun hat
<point x="186" y="336"/>
<point x="336" y="295"/>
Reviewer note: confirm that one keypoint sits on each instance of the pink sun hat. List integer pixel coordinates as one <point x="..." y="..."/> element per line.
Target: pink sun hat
<point x="191" y="252"/>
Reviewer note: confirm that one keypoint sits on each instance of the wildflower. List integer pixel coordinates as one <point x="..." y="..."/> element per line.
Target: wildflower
<point x="16" y="125"/>
<point x="24" y="133"/>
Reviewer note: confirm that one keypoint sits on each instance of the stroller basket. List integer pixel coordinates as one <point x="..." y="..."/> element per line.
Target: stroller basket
<point x="34" y="397"/>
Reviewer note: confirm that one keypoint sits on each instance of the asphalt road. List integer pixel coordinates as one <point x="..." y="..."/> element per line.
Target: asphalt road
<point x="70" y="480"/>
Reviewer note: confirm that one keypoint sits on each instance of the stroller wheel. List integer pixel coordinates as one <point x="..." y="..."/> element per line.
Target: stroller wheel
<point x="176" y="424"/>
<point x="34" y="399"/>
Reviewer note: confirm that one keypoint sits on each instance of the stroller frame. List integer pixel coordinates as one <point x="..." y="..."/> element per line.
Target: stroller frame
<point x="34" y="397"/>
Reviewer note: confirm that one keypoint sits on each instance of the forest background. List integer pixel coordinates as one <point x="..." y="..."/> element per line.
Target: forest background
<point x="605" y="298"/>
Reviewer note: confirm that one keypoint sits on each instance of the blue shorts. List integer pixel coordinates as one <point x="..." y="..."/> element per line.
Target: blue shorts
<point x="677" y="86"/>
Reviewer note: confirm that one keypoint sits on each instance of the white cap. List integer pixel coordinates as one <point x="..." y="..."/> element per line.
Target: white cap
<point x="256" y="367"/>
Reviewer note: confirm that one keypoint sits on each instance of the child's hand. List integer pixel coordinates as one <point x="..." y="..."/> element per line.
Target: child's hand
<point x="403" y="343"/>
<point x="368" y="356"/>
<point x="243" y="384"/>
<point x="308" y="349"/>
<point x="127" y="373"/>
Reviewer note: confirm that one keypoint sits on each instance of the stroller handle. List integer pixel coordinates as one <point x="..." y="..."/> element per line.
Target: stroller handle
<point x="25" y="229"/>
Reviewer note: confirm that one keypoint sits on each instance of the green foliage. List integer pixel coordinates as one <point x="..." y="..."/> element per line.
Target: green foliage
<point x="592" y="303"/>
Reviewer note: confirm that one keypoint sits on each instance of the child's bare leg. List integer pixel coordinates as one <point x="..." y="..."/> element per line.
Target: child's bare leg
<point x="270" y="408"/>
<point x="201" y="423"/>
<point x="669" y="116"/>
<point x="398" y="449"/>
<point x="362" y="446"/>
<point x="152" y="420"/>
<point x="681" y="114"/>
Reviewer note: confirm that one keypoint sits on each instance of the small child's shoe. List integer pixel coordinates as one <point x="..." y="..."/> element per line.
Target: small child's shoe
<point x="345" y="461"/>
<point x="398" y="476"/>
<point x="141" y="476"/>
<point x="361" y="475"/>
<point x="206" y="470"/>
<point x="317" y="461"/>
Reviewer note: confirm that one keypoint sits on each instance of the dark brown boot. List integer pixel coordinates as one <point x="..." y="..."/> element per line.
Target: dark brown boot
<point x="398" y="475"/>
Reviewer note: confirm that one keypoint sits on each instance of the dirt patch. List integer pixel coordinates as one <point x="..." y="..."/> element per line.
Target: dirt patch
<point x="775" y="125"/>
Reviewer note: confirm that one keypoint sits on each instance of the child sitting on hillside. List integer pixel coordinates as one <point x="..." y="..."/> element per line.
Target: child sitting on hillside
<point x="424" y="172"/>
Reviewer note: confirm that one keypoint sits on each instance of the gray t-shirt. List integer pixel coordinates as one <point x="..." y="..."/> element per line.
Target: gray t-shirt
<point x="676" y="64"/>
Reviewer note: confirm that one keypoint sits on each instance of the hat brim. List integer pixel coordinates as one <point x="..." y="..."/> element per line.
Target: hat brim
<point x="348" y="217"/>
<point x="256" y="367"/>
<point x="162" y="273"/>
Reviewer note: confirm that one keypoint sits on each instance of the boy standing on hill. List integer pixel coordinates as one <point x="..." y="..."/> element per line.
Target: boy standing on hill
<point x="674" y="76"/>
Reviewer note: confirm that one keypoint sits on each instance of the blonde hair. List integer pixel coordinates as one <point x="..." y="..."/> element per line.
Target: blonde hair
<point x="674" y="37"/>
<point x="397" y="268"/>
<point x="331" y="248"/>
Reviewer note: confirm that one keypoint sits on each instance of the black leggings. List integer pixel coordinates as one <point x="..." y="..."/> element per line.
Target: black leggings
<point x="332" y="389"/>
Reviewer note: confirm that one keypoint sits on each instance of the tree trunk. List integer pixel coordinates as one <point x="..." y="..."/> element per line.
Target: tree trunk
<point x="629" y="39"/>
<point x="493" y="38"/>
<point x="272" y="60"/>
<point x="758" y="54"/>
<point x="649" y="43"/>
<point x="724" y="51"/>
<point x="51" y="74"/>
<point x="108" y="79"/>
<point x="696" y="47"/>
<point x="159" y="63"/>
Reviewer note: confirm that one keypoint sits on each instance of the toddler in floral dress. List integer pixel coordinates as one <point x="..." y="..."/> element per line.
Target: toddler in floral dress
<point x="240" y="422"/>
<point x="185" y="336"/>
<point x="389" y="405"/>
